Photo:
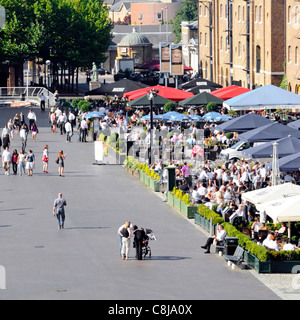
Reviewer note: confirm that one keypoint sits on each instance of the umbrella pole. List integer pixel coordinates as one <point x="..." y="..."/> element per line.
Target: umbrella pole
<point x="289" y="230"/>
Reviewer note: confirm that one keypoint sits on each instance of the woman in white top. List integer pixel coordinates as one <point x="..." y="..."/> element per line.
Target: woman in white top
<point x="21" y="162"/>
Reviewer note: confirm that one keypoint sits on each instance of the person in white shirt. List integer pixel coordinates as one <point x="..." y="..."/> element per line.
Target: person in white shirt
<point x="6" y="160"/>
<point x="195" y="195"/>
<point x="68" y="128"/>
<point x="220" y="236"/>
<point x="32" y="118"/>
<point x="270" y="242"/>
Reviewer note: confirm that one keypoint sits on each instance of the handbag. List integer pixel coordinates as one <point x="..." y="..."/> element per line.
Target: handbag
<point x="57" y="160"/>
<point x="45" y="159"/>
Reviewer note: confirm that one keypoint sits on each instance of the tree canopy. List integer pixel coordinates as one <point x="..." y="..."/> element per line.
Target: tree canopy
<point x="188" y="12"/>
<point x="69" y="32"/>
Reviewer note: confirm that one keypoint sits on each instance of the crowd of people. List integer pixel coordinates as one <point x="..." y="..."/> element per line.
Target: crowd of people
<point x="23" y="162"/>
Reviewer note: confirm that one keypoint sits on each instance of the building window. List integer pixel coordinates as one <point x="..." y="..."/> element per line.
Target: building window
<point x="260" y="14"/>
<point x="221" y="11"/>
<point x="256" y="14"/>
<point x="221" y="44"/>
<point x="239" y="14"/>
<point x="296" y="55"/>
<point x="289" y="14"/>
<point x="258" y="59"/>
<point x="289" y="57"/>
<point x="205" y="39"/>
<point x="296" y="14"/>
<point x="239" y="49"/>
<point x="200" y="38"/>
<point x="200" y="11"/>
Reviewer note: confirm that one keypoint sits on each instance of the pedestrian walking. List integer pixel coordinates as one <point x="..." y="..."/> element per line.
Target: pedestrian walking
<point x="23" y="136"/>
<point x="61" y="163"/>
<point x="6" y="160"/>
<point x="125" y="232"/>
<point x="21" y="162"/>
<point x="31" y="117"/>
<point x="45" y="159"/>
<point x="30" y="162"/>
<point x="14" y="161"/>
<point x="68" y="129"/>
<point x="34" y="131"/>
<point x="59" y="210"/>
<point x="43" y="101"/>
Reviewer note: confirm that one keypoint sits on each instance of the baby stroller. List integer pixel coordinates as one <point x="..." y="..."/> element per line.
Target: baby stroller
<point x="146" y="250"/>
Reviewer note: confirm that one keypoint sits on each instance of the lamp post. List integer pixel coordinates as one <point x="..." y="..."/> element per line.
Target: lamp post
<point x="48" y="62"/>
<point x="151" y="94"/>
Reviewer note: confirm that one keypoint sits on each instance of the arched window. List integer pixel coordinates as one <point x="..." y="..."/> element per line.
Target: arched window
<point x="258" y="59"/>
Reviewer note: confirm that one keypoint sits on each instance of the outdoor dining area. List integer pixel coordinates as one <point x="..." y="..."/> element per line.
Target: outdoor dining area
<point x="265" y="118"/>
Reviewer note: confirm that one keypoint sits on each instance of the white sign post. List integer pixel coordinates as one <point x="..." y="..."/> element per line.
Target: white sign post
<point x="99" y="152"/>
<point x="2" y="17"/>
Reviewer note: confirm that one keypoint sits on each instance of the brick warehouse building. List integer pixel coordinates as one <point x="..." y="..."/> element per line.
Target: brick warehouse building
<point x="250" y="43"/>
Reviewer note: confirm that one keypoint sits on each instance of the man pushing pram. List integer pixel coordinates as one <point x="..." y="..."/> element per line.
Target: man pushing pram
<point x="140" y="242"/>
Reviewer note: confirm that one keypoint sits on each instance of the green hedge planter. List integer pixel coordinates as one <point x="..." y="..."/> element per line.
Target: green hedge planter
<point x="154" y="185"/>
<point x="170" y="198"/>
<point x="187" y="211"/>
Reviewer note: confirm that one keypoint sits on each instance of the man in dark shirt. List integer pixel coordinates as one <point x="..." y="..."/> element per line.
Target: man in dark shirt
<point x="139" y="237"/>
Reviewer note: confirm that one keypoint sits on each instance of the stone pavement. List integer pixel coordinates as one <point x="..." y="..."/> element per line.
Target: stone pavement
<point x="82" y="261"/>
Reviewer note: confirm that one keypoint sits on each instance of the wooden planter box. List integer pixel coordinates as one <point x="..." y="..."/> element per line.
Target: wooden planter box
<point x="187" y="211"/>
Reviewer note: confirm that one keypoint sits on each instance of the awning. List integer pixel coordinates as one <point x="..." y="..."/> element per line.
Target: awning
<point x="229" y="92"/>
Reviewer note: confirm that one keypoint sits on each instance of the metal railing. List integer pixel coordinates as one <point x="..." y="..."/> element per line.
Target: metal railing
<point x="31" y="94"/>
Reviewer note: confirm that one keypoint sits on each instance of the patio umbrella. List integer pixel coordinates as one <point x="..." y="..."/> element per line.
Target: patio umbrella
<point x="94" y="114"/>
<point x="180" y="117"/>
<point x="166" y="92"/>
<point x="223" y="117"/>
<point x="199" y="99"/>
<point x="198" y="82"/>
<point x="143" y="101"/>
<point x="286" y="190"/>
<point x="243" y="123"/>
<point x="285" y="147"/>
<point x="195" y="117"/>
<point x="229" y="92"/>
<point x="211" y="116"/>
<point x="272" y="131"/>
<point x="266" y="97"/>
<point x="116" y="88"/>
<point x="200" y="89"/>
<point x="168" y="115"/>
<point x="155" y="117"/>
<point x="287" y="164"/>
<point x="282" y="210"/>
<point x="295" y="124"/>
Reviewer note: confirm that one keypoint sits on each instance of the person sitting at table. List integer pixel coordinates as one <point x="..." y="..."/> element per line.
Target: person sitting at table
<point x="196" y="196"/>
<point x="209" y="196"/>
<point x="184" y="187"/>
<point x="271" y="243"/>
<point x="282" y="230"/>
<point x="287" y="245"/>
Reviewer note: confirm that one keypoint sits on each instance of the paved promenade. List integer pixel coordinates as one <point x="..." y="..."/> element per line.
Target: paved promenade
<point x="82" y="261"/>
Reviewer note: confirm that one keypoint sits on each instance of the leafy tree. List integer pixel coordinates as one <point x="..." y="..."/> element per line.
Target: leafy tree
<point x="188" y="12"/>
<point x="71" y="34"/>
